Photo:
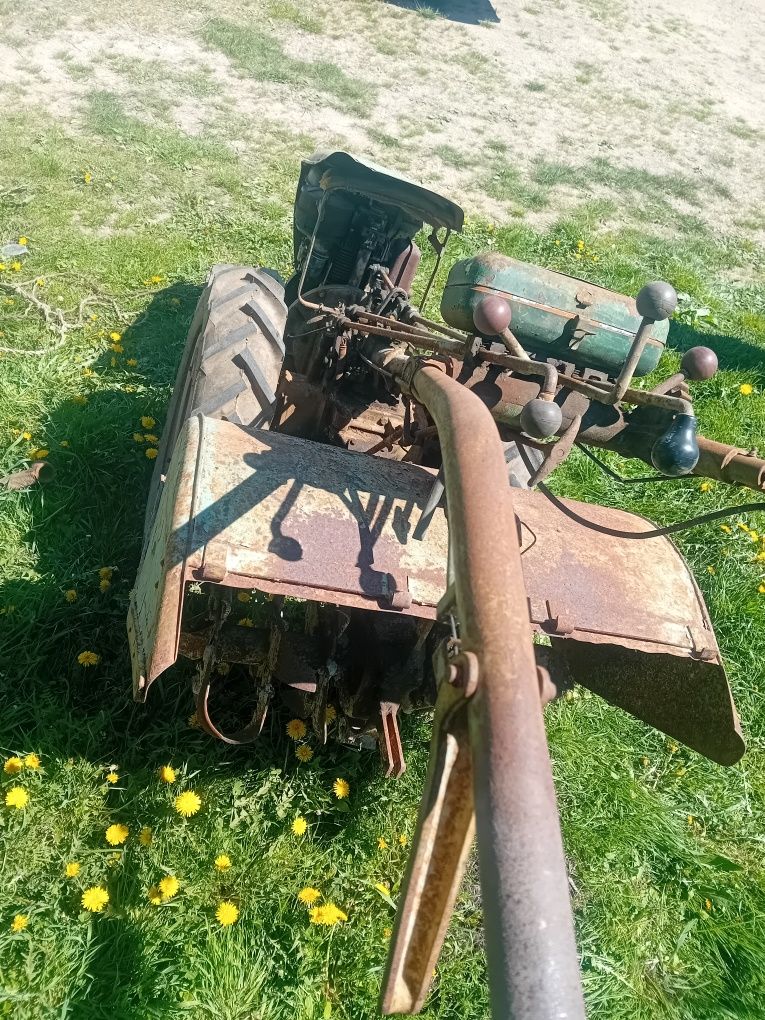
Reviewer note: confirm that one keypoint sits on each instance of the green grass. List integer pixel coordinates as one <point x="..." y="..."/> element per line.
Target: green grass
<point x="262" y="57"/>
<point x="160" y="206"/>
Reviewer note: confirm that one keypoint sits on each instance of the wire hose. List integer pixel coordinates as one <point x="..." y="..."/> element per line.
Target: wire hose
<point x="669" y="529"/>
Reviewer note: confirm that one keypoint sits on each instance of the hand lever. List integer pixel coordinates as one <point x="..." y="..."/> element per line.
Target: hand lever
<point x="445" y="830"/>
<point x="655" y="302"/>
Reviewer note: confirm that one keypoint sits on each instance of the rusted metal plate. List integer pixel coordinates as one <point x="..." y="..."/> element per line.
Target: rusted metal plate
<point x="291" y="517"/>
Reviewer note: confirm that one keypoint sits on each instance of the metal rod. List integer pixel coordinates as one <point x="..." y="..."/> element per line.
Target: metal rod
<point x="430" y="324"/>
<point x="533" y="963"/>
<point x="624" y="378"/>
<point x="523" y="366"/>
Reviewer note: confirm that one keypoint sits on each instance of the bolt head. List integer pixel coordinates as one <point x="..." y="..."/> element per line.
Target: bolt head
<point x="541" y="418"/>
<point x="656" y="300"/>
<point x="492" y="315"/>
<point x="699" y="363"/>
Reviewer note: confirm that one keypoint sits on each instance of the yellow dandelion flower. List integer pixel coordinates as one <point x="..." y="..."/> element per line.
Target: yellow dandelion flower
<point x="16" y="266"/>
<point x="223" y="862"/>
<point x="70" y="595"/>
<point x="387" y="932"/>
<point x="151" y="453"/>
<point x="145" y="836"/>
<point x="72" y="869"/>
<point x="116" y="337"/>
<point x="226" y="913"/>
<point x="19" y="922"/>
<point x="690" y="819"/>
<point x="112" y="777"/>
<point x="23" y="240"/>
<point x="761" y="589"/>
<point x="117" y="348"/>
<point x="148" y="422"/>
<point x="167" y="774"/>
<point x="402" y="840"/>
<point x="95" y="899"/>
<point x="154" y="895"/>
<point x="711" y="569"/>
<point x="13" y="765"/>
<point x="645" y="762"/>
<point x="328" y="914"/>
<point x="754" y="536"/>
<point x="193" y="721"/>
<point x="296" y="729"/>
<point x="309" y="895"/>
<point x="169" y="886"/>
<point x="157" y="278"/>
<point x="87" y="178"/>
<point x="151" y="438"/>
<point x="32" y="761"/>
<point x="706" y="486"/>
<point x="40" y="454"/>
<point x="746" y="389"/>
<point x="132" y="362"/>
<point x="382" y="888"/>
<point x="105" y="573"/>
<point x="303" y="753"/>
<point x="88" y="659"/>
<point x="40" y="281"/>
<point x="27" y="436"/>
<point x="760" y="557"/>
<point x="17" y="797"/>
<point x="188" y="803"/>
<point x="245" y="622"/>
<point x="138" y="437"/>
<point x="330" y="714"/>
<point x="726" y="528"/>
<point x="117" y="834"/>
<point x="341" y="788"/>
<point x="672" y="747"/>
<point x="2" y="267"/>
<point x="382" y="843"/>
<point x="708" y="905"/>
<point x="244" y="596"/>
<point x="299" y="826"/>
<point x="104" y="585"/>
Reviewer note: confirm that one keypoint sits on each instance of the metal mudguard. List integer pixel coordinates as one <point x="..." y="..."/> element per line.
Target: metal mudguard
<point x="251" y="509"/>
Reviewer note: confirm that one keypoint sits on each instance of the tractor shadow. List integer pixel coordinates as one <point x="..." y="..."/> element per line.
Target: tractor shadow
<point x="468" y="12"/>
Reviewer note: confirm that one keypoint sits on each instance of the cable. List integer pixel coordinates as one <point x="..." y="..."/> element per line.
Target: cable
<point x="669" y="529"/>
<point x="619" y="478"/>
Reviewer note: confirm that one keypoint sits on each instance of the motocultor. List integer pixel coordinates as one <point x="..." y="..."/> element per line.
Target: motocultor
<point x="344" y="517"/>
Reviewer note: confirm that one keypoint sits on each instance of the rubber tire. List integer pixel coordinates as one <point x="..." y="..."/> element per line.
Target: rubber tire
<point x="518" y="474"/>
<point x="231" y="362"/>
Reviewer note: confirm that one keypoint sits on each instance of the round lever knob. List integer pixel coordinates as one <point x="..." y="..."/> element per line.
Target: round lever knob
<point x="541" y="418"/>
<point x="492" y="315"/>
<point x="656" y="301"/>
<point x="677" y="451"/>
<point x="699" y="363"/>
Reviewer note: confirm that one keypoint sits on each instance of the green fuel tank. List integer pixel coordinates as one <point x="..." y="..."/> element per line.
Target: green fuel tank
<point x="553" y="315"/>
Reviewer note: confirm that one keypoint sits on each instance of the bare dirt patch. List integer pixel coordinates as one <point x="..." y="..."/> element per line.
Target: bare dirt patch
<point x="658" y="108"/>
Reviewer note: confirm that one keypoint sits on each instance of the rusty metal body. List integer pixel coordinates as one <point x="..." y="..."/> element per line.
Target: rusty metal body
<point x="366" y="553"/>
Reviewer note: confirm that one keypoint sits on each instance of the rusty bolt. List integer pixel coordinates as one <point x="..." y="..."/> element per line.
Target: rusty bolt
<point x="463" y="673"/>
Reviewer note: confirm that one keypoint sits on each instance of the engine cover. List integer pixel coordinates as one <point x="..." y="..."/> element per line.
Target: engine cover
<point x="553" y="315"/>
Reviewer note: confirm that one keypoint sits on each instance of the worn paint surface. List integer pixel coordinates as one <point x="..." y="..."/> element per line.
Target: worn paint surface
<point x="553" y="314"/>
<point x="291" y="517"/>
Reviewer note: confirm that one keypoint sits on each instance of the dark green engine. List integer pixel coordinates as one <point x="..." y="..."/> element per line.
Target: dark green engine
<point x="553" y="316"/>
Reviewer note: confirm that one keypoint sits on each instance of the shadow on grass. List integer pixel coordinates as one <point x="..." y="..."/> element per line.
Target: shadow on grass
<point x="469" y="12"/>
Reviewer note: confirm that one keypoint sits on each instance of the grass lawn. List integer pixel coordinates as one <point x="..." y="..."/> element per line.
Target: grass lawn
<point x="123" y="216"/>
